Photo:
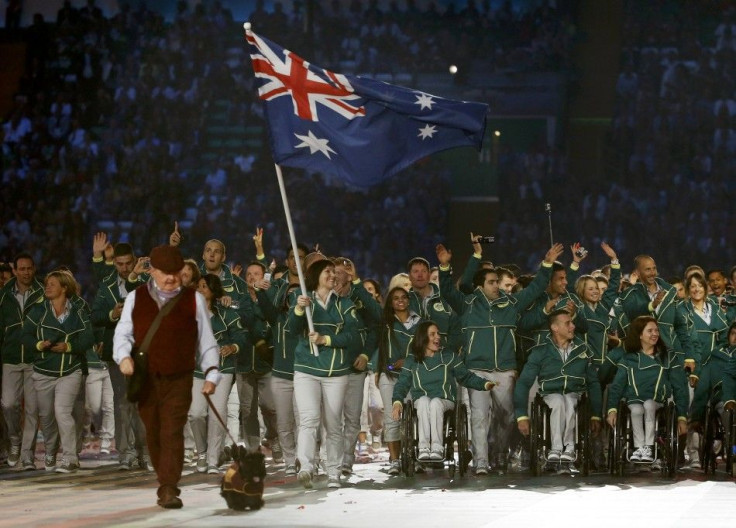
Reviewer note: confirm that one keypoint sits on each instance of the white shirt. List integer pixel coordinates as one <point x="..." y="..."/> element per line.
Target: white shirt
<point x="208" y="352"/>
<point x="706" y="314"/>
<point x="565" y="350"/>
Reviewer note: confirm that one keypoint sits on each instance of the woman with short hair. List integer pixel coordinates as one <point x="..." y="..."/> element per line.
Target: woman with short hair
<point x="60" y="332"/>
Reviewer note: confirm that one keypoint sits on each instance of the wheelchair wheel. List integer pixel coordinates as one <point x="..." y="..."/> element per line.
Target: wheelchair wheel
<point x="449" y="427"/>
<point x="533" y="449"/>
<point x="537" y="460"/>
<point x="461" y="432"/>
<point x="621" y="439"/>
<point x="671" y="441"/>
<point x="728" y="442"/>
<point x="612" y="450"/>
<point x="707" y="457"/>
<point x="408" y="440"/>
<point x="584" y="436"/>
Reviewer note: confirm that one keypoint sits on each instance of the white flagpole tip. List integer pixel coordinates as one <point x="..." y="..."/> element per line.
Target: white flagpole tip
<point x="246" y="26"/>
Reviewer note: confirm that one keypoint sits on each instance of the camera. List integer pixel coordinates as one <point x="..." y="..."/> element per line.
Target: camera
<point x="581" y="252"/>
<point x="486" y="239"/>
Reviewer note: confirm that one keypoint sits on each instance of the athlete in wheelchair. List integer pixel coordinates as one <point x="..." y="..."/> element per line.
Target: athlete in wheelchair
<point x="568" y="407"/>
<point x="646" y="424"/>
<point x="712" y="409"/>
<point x="429" y="426"/>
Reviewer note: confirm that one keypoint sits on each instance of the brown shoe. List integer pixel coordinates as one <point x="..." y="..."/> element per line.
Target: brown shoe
<point x="170" y="502"/>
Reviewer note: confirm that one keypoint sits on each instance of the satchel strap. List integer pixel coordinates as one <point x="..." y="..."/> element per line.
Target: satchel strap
<point x="165" y="309"/>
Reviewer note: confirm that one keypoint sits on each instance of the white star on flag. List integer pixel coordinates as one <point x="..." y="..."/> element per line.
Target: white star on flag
<point x="315" y="144"/>
<point x="427" y="132"/>
<point x="424" y="101"/>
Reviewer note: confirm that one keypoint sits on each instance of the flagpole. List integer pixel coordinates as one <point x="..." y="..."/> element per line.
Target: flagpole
<point x="294" y="249"/>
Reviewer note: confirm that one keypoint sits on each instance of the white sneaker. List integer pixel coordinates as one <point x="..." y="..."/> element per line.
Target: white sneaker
<point x="423" y="454"/>
<point x="305" y="477"/>
<point x="646" y="454"/>
<point x="553" y="455"/>
<point x="636" y="455"/>
<point x="290" y="470"/>
<point x="334" y="482"/>
<point x="437" y="455"/>
<point x="694" y="464"/>
<point x="14" y="455"/>
<point x="395" y="467"/>
<point x="202" y="463"/>
<point x="105" y="445"/>
<point x="568" y="455"/>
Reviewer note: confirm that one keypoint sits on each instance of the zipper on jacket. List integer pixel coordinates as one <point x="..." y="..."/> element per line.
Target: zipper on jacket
<point x="495" y="348"/>
<point x="656" y="387"/>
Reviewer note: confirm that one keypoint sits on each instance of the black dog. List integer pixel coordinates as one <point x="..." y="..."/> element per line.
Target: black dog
<point x="242" y="485"/>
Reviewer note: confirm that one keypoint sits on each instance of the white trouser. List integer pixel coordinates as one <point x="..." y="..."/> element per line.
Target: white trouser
<point x="644" y="422"/>
<point x="372" y="411"/>
<point x="320" y="397"/>
<point x="430" y="413"/>
<point x="287" y="417"/>
<point x="79" y="413"/>
<point x="206" y="429"/>
<point x="351" y="415"/>
<point x="55" y="398"/>
<point x="692" y="446"/>
<point x="492" y="407"/>
<point x="254" y="390"/>
<point x="391" y="427"/>
<point x="562" y="419"/>
<point x="18" y="388"/>
<point x="233" y="413"/>
<point x="130" y="433"/>
<point x="100" y="402"/>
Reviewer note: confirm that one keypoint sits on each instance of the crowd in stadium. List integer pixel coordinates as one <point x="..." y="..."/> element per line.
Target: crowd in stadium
<point x="109" y="126"/>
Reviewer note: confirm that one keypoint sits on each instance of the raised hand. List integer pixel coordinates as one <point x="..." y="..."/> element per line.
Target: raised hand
<point x="608" y="250"/>
<point x="475" y="240"/>
<point x="444" y="255"/>
<point x="99" y="243"/>
<point x="258" y="240"/>
<point x="175" y="236"/>
<point x="575" y="257"/>
<point x="554" y="253"/>
<point x="349" y="268"/>
<point x="142" y="265"/>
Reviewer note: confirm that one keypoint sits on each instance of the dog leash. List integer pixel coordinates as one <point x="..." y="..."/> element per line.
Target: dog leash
<point x="219" y="418"/>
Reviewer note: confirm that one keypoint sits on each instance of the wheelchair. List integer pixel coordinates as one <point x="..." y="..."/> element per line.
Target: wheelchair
<point x="540" y="438"/>
<point x="666" y="441"/>
<point x="455" y="430"/>
<point x="717" y="440"/>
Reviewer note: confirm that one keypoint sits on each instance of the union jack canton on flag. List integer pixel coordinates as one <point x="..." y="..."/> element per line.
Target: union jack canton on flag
<point x="363" y="130"/>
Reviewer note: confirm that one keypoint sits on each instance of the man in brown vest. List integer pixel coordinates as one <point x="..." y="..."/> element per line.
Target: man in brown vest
<point x="183" y="338"/>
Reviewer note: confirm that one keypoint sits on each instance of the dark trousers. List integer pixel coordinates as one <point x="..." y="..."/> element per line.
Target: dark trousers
<point x="163" y="411"/>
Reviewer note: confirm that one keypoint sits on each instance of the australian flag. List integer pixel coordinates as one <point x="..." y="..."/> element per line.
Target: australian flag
<point x="361" y="129"/>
